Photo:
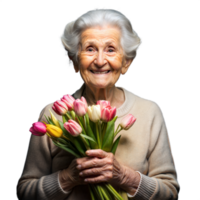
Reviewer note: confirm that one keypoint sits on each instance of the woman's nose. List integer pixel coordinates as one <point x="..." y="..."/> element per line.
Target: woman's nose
<point x="100" y="60"/>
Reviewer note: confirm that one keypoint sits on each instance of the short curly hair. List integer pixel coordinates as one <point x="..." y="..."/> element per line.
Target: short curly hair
<point x="100" y="17"/>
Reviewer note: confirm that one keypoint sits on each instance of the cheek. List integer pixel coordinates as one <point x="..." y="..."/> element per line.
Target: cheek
<point x="116" y="62"/>
<point x="85" y="61"/>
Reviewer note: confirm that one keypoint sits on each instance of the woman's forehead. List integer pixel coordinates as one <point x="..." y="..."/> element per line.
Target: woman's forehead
<point x="106" y="35"/>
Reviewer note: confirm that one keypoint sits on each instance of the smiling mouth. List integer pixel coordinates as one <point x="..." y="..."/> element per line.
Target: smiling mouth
<point x="97" y="72"/>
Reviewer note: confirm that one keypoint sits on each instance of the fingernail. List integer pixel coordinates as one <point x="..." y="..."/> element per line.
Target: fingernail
<point x="80" y="173"/>
<point x="78" y="167"/>
<point x="86" y="180"/>
<point x="88" y="152"/>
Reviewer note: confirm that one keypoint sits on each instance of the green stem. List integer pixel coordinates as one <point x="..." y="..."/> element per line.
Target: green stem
<point x="117" y="131"/>
<point x="96" y="192"/>
<point x="91" y="193"/>
<point x="85" y="124"/>
<point x="79" y="121"/>
<point x="104" y="129"/>
<point x="85" y="142"/>
<point x="73" y="114"/>
<point x="104" y="193"/>
<point x="68" y="116"/>
<point x="114" y="192"/>
<point x="100" y="192"/>
<point x="98" y="136"/>
<point x="100" y="133"/>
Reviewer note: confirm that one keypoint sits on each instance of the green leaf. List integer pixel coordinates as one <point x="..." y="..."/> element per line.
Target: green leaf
<point x="90" y="133"/>
<point x="89" y="138"/>
<point x="64" y="119"/>
<point x="109" y="135"/>
<point x="48" y="120"/>
<point x="67" y="149"/>
<point x="51" y="122"/>
<point x="115" y="144"/>
<point x="62" y="141"/>
<point x="80" y="121"/>
<point x="75" y="140"/>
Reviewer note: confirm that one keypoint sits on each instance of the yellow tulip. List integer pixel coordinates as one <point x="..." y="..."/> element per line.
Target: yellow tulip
<point x="54" y="119"/>
<point x="54" y="131"/>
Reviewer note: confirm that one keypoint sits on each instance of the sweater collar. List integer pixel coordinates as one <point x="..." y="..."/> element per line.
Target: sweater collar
<point x="123" y="109"/>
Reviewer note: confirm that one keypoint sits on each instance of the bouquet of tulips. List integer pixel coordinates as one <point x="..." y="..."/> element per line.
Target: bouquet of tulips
<point x="85" y="127"/>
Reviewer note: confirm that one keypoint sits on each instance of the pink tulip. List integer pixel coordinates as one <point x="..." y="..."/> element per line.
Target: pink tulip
<point x="60" y="107"/>
<point x="68" y="100"/>
<point x="103" y="104"/>
<point x="73" y="128"/>
<point x="108" y="113"/>
<point x="127" y="121"/>
<point x="80" y="106"/>
<point x="38" y="129"/>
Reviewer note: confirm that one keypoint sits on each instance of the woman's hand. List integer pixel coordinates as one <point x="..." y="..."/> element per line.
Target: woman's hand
<point x="103" y="167"/>
<point x="69" y="177"/>
<point x="99" y="167"/>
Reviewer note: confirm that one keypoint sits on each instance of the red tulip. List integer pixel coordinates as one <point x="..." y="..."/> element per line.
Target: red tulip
<point x="108" y="113"/>
<point x="38" y="129"/>
<point x="68" y="100"/>
<point x="60" y="107"/>
<point x="80" y="106"/>
<point x="73" y="128"/>
<point x="127" y="121"/>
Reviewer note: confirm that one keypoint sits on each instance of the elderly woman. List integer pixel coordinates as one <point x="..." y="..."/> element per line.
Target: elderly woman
<point x="102" y="46"/>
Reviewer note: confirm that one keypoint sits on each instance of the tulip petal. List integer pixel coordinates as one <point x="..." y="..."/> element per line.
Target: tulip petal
<point x="33" y="131"/>
<point x="68" y="100"/>
<point x="127" y="121"/>
<point x="39" y="127"/>
<point x="79" y="107"/>
<point x="73" y="128"/>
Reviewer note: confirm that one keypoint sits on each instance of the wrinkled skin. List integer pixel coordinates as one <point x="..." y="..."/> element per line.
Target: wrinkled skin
<point x="99" y="167"/>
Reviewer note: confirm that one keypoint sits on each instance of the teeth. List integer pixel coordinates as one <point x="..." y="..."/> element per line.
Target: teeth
<point x="100" y="72"/>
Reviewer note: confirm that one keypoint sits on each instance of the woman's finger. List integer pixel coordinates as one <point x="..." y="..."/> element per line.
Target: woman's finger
<point x="98" y="179"/>
<point x="98" y="153"/>
<point x="97" y="171"/>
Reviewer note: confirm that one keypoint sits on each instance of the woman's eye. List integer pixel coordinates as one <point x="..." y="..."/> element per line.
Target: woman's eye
<point x="90" y="49"/>
<point x="110" y="50"/>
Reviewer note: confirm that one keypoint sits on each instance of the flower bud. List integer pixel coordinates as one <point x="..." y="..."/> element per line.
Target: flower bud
<point x="108" y="113"/>
<point x="103" y="104"/>
<point x="38" y="129"/>
<point x="73" y="128"/>
<point x="80" y="106"/>
<point x="127" y="121"/>
<point x="54" y="131"/>
<point x="68" y="100"/>
<point x="94" y="113"/>
<point x="54" y="119"/>
<point x="60" y="107"/>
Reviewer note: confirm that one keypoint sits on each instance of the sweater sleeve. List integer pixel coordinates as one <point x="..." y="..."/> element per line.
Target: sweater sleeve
<point x="161" y="180"/>
<point x="37" y="181"/>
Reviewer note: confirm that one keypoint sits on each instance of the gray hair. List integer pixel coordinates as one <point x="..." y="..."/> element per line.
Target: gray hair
<point x="100" y="17"/>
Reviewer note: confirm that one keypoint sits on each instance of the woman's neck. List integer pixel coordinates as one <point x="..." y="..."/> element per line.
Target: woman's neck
<point x="114" y="95"/>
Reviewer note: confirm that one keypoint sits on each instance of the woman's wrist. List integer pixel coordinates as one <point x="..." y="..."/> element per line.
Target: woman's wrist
<point x="130" y="181"/>
<point x="65" y="180"/>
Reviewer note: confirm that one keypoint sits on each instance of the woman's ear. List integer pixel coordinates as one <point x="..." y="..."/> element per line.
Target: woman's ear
<point x="76" y="68"/>
<point x="127" y="63"/>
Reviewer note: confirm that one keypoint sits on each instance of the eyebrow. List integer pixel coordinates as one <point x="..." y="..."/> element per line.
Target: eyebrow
<point x="93" y="43"/>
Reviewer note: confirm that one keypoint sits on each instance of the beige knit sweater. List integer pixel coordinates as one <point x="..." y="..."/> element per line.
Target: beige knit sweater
<point x="144" y="147"/>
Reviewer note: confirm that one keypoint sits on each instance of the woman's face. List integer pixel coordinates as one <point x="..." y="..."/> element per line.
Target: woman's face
<point x="101" y="59"/>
